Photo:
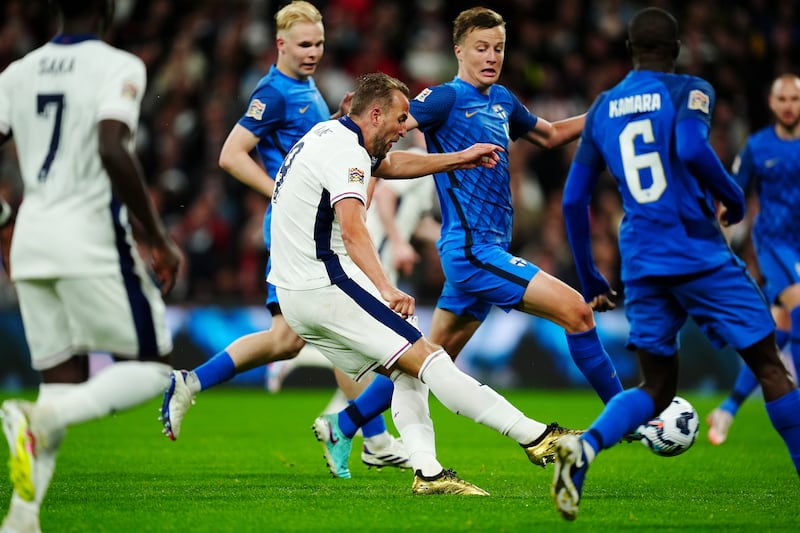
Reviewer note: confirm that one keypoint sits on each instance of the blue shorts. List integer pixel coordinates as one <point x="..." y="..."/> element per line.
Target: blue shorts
<point x="780" y="266"/>
<point x="725" y="303"/>
<point x="486" y="275"/>
<point x="272" y="296"/>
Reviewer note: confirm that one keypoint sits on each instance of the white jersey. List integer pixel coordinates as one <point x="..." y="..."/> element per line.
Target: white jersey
<point x="51" y="100"/>
<point x="326" y="165"/>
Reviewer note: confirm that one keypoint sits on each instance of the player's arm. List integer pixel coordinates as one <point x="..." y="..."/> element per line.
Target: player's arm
<point x="351" y="215"/>
<point x="581" y="182"/>
<point x="235" y="159"/>
<point x="694" y="150"/>
<point x="554" y="134"/>
<point x="412" y="164"/>
<point x="404" y="256"/>
<point x="128" y="183"/>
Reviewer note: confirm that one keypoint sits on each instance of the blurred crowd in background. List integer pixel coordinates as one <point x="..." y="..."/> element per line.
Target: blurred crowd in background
<point x="205" y="56"/>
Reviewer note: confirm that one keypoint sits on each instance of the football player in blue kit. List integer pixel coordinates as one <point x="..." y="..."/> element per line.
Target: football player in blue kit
<point x="651" y="132"/>
<point x="769" y="163"/>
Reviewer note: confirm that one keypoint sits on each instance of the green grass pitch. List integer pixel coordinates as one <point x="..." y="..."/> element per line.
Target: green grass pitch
<point x="248" y="461"/>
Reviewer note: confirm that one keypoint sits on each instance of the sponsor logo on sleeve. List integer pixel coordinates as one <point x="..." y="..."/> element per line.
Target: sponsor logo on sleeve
<point x="256" y="109"/>
<point x="699" y="101"/>
<point x="355" y="175"/>
<point x="130" y="90"/>
<point x="423" y="95"/>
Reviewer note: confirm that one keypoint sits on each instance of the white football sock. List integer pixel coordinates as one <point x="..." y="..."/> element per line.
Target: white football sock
<point x="413" y="421"/>
<point x="465" y="396"/>
<point x="118" y="387"/>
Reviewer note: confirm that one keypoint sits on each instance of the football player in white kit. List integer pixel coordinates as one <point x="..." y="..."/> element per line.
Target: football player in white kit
<point x="72" y="107"/>
<point x="335" y="293"/>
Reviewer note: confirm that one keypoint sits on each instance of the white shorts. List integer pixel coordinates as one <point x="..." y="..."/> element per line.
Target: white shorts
<point x="350" y="324"/>
<point x="69" y="316"/>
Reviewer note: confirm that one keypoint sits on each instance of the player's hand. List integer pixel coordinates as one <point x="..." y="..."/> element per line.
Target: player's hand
<point x="167" y="258"/>
<point x="399" y="302"/>
<point x="604" y="302"/>
<point x="484" y="155"/>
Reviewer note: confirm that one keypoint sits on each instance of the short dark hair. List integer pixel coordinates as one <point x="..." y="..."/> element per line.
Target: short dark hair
<point x="653" y="30"/>
<point x="75" y="8"/>
<point x="481" y="18"/>
<point x="375" y="87"/>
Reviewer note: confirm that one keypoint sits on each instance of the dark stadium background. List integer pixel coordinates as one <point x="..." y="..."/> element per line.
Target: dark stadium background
<point x="204" y="57"/>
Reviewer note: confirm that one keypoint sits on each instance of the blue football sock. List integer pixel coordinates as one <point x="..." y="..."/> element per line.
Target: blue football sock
<point x="795" y="338"/>
<point x="781" y="338"/>
<point x="623" y="414"/>
<point x="593" y="361"/>
<point x="375" y="399"/>
<point x="783" y="415"/>
<point x="743" y="387"/>
<point x="216" y="370"/>
<point x="374" y="426"/>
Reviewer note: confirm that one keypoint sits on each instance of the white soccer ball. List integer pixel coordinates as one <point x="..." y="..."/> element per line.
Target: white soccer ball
<point x="673" y="431"/>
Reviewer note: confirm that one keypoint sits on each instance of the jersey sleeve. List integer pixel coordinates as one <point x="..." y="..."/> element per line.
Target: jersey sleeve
<point x="520" y="120"/>
<point x="265" y="111"/>
<point x="431" y="107"/>
<point x="697" y="102"/>
<point x="348" y="175"/>
<point x="122" y="93"/>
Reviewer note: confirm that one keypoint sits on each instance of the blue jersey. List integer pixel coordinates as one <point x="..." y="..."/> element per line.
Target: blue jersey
<point x="669" y="227"/>
<point x="772" y="165"/>
<point x="281" y="110"/>
<point x="476" y="203"/>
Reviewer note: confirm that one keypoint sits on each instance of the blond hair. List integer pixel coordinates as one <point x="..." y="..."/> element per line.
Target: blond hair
<point x="296" y="11"/>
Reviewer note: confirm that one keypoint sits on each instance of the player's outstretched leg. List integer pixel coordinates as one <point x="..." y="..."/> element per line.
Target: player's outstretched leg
<point x="464" y="395"/>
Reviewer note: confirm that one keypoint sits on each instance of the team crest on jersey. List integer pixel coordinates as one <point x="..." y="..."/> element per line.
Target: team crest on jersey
<point x="130" y="90"/>
<point x="422" y="95"/>
<point x="699" y="101"/>
<point x="256" y="109"/>
<point x="518" y="261"/>
<point x="355" y="175"/>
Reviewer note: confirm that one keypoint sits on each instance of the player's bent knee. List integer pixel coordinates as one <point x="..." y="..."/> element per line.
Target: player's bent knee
<point x="579" y="317"/>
